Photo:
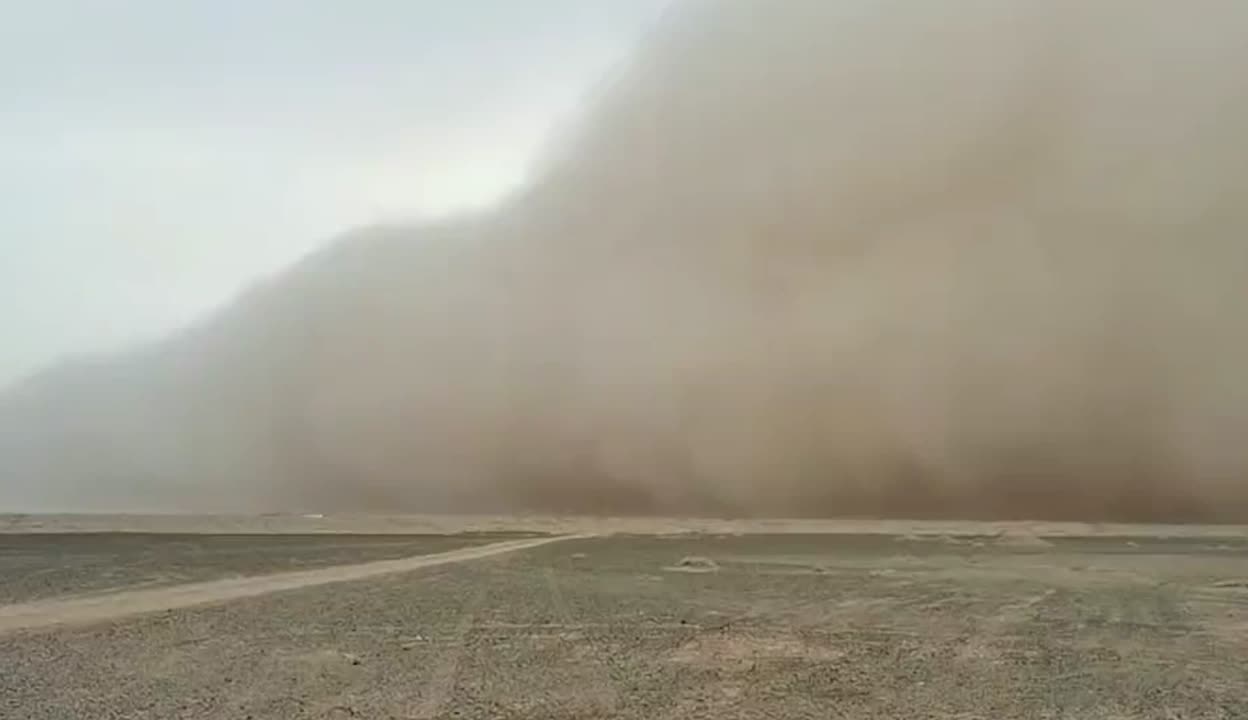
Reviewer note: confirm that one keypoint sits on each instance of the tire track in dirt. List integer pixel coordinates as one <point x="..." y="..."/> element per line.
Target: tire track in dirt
<point x="126" y="603"/>
<point x="606" y="690"/>
<point x="441" y="685"/>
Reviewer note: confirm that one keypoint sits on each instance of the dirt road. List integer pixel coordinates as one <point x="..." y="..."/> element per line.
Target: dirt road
<point x="111" y="606"/>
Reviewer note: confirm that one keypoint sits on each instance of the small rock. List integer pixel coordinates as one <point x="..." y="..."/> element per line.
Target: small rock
<point x="1022" y="539"/>
<point x="695" y="562"/>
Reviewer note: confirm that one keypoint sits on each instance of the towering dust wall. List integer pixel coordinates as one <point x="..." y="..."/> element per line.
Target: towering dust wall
<point x="977" y="258"/>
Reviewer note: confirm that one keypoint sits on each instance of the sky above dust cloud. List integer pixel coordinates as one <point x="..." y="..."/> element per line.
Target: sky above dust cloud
<point x="158" y="156"/>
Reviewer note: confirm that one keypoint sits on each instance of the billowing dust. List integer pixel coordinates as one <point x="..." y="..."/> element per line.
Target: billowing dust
<point x="975" y="258"/>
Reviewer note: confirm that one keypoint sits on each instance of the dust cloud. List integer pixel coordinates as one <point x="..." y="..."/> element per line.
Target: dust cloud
<point x="974" y="258"/>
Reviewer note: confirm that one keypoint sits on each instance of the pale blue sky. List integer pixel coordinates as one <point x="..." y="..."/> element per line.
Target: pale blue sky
<point x="160" y="154"/>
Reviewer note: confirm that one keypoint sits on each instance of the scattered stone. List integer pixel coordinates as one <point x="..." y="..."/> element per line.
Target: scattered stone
<point x="1022" y="539"/>
<point x="695" y="563"/>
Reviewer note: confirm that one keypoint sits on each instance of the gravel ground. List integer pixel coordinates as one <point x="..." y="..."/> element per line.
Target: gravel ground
<point x="37" y="567"/>
<point x="795" y="626"/>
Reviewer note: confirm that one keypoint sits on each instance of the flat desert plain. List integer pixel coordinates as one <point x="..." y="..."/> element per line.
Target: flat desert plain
<point x="490" y="617"/>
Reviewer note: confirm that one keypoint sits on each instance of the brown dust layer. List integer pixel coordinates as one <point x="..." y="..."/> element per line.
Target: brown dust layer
<point x="977" y="259"/>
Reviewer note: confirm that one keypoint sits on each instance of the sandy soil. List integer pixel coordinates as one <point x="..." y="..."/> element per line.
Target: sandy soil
<point x="970" y="625"/>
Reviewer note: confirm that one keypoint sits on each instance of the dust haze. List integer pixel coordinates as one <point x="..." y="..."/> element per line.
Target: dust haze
<point x="972" y="258"/>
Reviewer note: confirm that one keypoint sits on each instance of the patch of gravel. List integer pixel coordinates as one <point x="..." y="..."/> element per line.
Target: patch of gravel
<point x="541" y="634"/>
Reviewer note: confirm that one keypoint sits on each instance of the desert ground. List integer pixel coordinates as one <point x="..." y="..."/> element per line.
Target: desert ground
<point x="418" y="617"/>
